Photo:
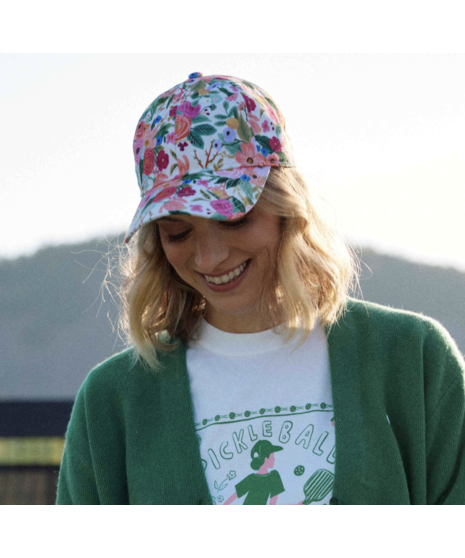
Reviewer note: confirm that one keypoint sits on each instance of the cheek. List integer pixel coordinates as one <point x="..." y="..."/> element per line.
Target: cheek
<point x="174" y="255"/>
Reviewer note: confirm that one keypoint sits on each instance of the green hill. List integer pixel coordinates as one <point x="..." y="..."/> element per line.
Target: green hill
<point x="56" y="322"/>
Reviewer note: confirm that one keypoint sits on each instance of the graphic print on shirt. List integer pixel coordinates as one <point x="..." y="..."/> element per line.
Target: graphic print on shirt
<point x="260" y="457"/>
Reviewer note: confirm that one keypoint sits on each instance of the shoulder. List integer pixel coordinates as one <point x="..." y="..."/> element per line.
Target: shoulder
<point x="393" y="323"/>
<point x="122" y="373"/>
<point x="405" y="341"/>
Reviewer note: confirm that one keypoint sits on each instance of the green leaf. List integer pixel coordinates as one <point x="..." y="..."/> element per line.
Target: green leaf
<point x="173" y="166"/>
<point x="238" y="205"/>
<point x="169" y="102"/>
<point x="204" y="130"/>
<point x="232" y="182"/>
<point x="218" y="217"/>
<point x="247" y="189"/>
<point x="278" y="129"/>
<point x="199" y="85"/>
<point x="243" y="130"/>
<point x="218" y="165"/>
<point x="205" y="195"/>
<point x="196" y="139"/>
<point x="235" y="113"/>
<point x="283" y="158"/>
<point x="200" y="118"/>
<point x="141" y="168"/>
<point x="226" y="106"/>
<point x="225" y="91"/>
<point x="173" y="154"/>
<point x="232" y="148"/>
<point x="164" y="130"/>
<point x="251" y="85"/>
<point x="272" y="103"/>
<point x="263" y="141"/>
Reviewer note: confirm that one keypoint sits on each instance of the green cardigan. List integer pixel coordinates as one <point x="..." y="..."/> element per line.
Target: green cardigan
<point x="397" y="380"/>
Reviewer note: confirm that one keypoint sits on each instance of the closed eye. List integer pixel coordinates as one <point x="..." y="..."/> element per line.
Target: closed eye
<point x="226" y="224"/>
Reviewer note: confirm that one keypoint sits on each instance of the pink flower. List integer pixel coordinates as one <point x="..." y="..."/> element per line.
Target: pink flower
<point x="272" y="160"/>
<point x="266" y="126"/>
<point x="270" y="110"/>
<point x="140" y="131"/>
<point x="254" y="123"/>
<point x="149" y="161"/>
<point x="170" y="138"/>
<point x="251" y="104"/>
<point x="150" y="138"/>
<point x="196" y="208"/>
<point x="138" y="144"/>
<point x="165" y="193"/>
<point x="223" y="207"/>
<point x="235" y="173"/>
<point x="235" y="216"/>
<point x="232" y="97"/>
<point x="162" y="160"/>
<point x="187" y="191"/>
<point x="275" y="144"/>
<point x="203" y="183"/>
<point x="173" y="205"/>
<point x="189" y="110"/>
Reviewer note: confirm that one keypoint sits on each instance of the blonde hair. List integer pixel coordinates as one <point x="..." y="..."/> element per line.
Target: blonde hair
<point x="314" y="272"/>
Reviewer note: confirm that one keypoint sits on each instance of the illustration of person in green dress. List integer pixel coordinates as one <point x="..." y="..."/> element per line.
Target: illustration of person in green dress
<point x="261" y="485"/>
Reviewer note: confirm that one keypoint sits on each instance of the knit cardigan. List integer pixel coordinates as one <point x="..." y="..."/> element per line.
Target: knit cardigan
<point x="397" y="380"/>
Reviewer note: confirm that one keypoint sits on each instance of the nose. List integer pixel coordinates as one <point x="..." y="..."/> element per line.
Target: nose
<point x="210" y="251"/>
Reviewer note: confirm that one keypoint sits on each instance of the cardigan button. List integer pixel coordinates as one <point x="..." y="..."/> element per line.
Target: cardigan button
<point x="334" y="501"/>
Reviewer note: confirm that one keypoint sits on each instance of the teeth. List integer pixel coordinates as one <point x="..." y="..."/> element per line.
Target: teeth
<point x="226" y="278"/>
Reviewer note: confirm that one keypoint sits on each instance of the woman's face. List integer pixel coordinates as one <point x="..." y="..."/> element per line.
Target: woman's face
<point x="225" y="261"/>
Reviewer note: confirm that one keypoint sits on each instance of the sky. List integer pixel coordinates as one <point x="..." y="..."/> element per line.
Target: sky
<point x="380" y="137"/>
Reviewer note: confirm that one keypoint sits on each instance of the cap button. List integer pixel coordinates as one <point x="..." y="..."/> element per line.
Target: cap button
<point x="195" y="75"/>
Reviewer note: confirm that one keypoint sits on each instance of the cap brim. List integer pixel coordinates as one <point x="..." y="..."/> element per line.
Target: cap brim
<point x="220" y="195"/>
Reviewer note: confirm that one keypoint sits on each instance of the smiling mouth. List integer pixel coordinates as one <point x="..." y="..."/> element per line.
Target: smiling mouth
<point x="227" y="277"/>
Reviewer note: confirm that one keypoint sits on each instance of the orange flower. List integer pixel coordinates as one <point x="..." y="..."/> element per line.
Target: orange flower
<point x="182" y="127"/>
<point x="249" y="156"/>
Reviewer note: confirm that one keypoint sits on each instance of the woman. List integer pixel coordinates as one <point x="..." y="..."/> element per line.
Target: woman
<point x="247" y="352"/>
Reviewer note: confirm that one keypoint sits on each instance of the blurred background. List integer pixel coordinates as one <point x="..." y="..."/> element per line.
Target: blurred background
<point x="378" y="136"/>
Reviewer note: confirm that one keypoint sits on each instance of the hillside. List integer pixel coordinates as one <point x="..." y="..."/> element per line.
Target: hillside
<point x="55" y="325"/>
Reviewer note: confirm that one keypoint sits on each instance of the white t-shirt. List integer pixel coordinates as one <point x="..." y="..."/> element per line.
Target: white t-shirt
<point x="263" y="416"/>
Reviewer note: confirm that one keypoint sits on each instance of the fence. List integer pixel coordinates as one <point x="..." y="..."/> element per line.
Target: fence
<point x="31" y="447"/>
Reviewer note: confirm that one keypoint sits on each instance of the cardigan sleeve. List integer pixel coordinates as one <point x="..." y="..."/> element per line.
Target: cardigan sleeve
<point x="76" y="480"/>
<point x="445" y="417"/>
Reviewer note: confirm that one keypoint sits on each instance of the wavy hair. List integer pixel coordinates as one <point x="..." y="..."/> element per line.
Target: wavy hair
<point x="314" y="272"/>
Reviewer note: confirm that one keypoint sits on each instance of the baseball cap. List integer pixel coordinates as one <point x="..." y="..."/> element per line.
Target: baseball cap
<point x="205" y="148"/>
<point x="263" y="448"/>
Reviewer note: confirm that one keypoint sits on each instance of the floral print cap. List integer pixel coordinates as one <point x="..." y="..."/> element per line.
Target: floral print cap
<point x="205" y="148"/>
